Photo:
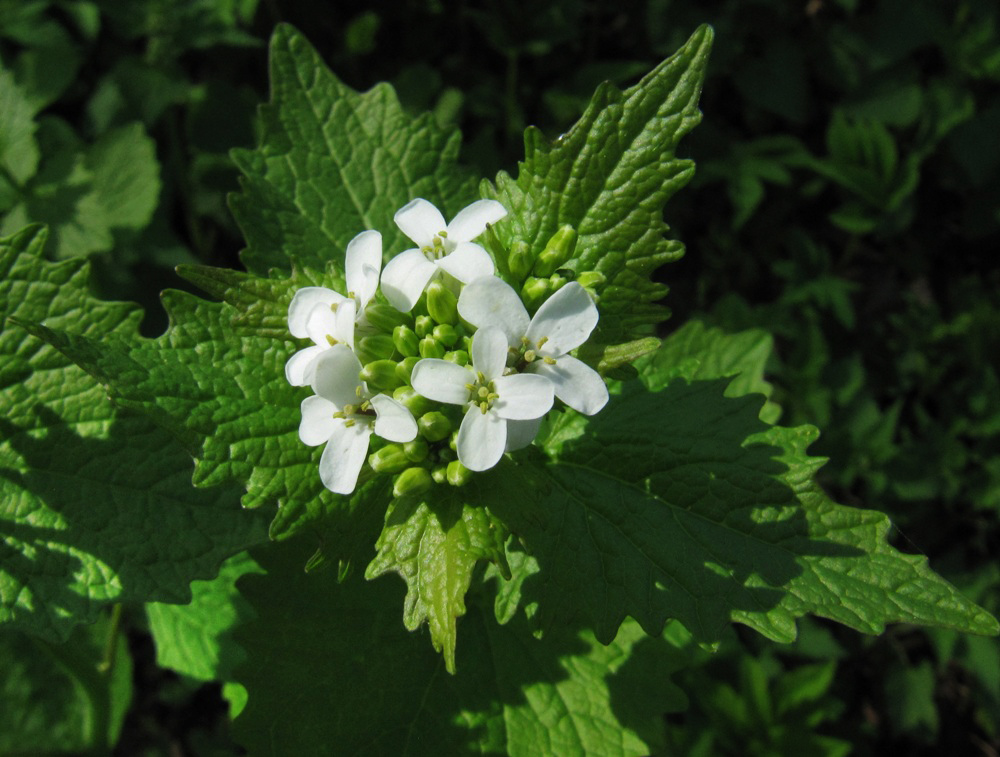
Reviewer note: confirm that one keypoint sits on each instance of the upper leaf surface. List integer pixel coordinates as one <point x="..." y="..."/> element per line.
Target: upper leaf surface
<point x="609" y="177"/>
<point x="333" y="162"/>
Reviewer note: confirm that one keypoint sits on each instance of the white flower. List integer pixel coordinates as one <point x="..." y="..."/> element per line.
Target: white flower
<point x="562" y="323"/>
<point x="343" y="414"/>
<point x="328" y="317"/>
<point x="440" y="247"/>
<point x="494" y="401"/>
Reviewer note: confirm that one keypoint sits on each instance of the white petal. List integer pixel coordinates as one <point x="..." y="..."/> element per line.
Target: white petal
<point x="362" y="263"/>
<point x="420" y="221"/>
<point x="343" y="457"/>
<point x="393" y="421"/>
<point x="481" y="439"/>
<point x="441" y="381"/>
<point x="317" y="422"/>
<point x="523" y="396"/>
<point x="343" y="331"/>
<point x="521" y="433"/>
<point x="321" y="323"/>
<point x="489" y="352"/>
<point x="489" y="301"/>
<point x="303" y="302"/>
<point x="336" y="376"/>
<point x="405" y="277"/>
<point x="575" y="383"/>
<point x="471" y="221"/>
<point x="468" y="262"/>
<point x="566" y="318"/>
<point x="299" y="368"/>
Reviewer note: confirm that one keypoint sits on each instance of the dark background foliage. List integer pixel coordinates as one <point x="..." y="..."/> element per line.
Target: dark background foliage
<point x="847" y="200"/>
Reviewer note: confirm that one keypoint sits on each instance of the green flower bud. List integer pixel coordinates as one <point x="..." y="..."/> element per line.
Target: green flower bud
<point x="445" y="333"/>
<point x="442" y="303"/>
<point x="535" y="291"/>
<point x="431" y="347"/>
<point x="381" y="375"/>
<point x="520" y="260"/>
<point x="415" y="403"/>
<point x="404" y="368"/>
<point x="557" y="282"/>
<point x="416" y="450"/>
<point x="590" y="279"/>
<point x="458" y="474"/>
<point x="424" y="325"/>
<point x="439" y="475"/>
<point x="390" y="459"/>
<point x="434" y="426"/>
<point x="374" y="347"/>
<point x="412" y="482"/>
<point x="406" y="341"/>
<point x="386" y="317"/>
<point x="558" y="250"/>
<point x="458" y="357"/>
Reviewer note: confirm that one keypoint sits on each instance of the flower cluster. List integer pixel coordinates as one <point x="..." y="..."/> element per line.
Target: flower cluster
<point x="453" y="371"/>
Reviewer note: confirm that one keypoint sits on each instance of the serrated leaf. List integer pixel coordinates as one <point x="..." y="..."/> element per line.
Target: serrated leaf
<point x="194" y="639"/>
<point x="609" y="177"/>
<point x="333" y="162"/>
<point x="96" y="505"/>
<point x="434" y="543"/>
<point x="330" y="670"/>
<point x="714" y="519"/>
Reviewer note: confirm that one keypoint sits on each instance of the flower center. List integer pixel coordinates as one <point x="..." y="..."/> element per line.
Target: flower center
<point x="482" y="393"/>
<point x="353" y="414"/>
<point x="519" y="358"/>
<point x="438" y="248"/>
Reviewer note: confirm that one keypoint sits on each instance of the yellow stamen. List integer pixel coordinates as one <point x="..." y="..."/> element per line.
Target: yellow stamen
<point x="484" y="406"/>
<point x="529" y="355"/>
<point x="542" y="341"/>
<point x="549" y="360"/>
<point x="331" y="340"/>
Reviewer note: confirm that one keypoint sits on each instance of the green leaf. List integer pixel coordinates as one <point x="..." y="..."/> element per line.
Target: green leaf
<point x="609" y="177"/>
<point x="126" y="175"/>
<point x="434" y="543"/>
<point x="332" y="163"/>
<point x="194" y="639"/>
<point x="329" y="668"/>
<point x="96" y="505"/>
<point x="715" y="519"/>
<point x="18" y="149"/>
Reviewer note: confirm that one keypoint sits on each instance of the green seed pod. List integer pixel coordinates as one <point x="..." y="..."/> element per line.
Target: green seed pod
<point x="412" y="482"/>
<point x="406" y="341"/>
<point x="458" y="474"/>
<point x="404" y="368"/>
<point x="442" y="303"/>
<point x="558" y="250"/>
<point x="374" y="347"/>
<point x="415" y="403"/>
<point x="520" y="260"/>
<point x="381" y="375"/>
<point x="590" y="279"/>
<point x="390" y="459"/>
<point x="535" y="291"/>
<point x="386" y="317"/>
<point x="416" y="450"/>
<point x="431" y="347"/>
<point x="434" y="426"/>
<point x="458" y="357"/>
<point x="424" y="325"/>
<point x="439" y="475"/>
<point x="446" y="334"/>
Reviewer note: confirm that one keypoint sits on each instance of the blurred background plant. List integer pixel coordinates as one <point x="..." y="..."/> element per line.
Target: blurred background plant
<point x="847" y="200"/>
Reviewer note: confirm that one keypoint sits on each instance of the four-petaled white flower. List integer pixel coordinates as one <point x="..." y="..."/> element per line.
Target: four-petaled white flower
<point x="493" y="399"/>
<point x="328" y="317"/>
<point x="343" y="414"/>
<point x="540" y="344"/>
<point x="440" y="247"/>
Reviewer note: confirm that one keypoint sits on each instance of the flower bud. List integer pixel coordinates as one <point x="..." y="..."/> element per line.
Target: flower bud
<point x="374" y="347"/>
<point x="590" y="279"/>
<point x="415" y="403"/>
<point x="445" y="333"/>
<point x="434" y="426"/>
<point x="416" y="450"/>
<point x="535" y="291"/>
<point x="458" y="474"/>
<point x="412" y="482"/>
<point x="442" y="303"/>
<point x="431" y="347"/>
<point x="424" y="325"/>
<point x="386" y="317"/>
<point x="520" y="260"/>
<point x="389" y="459"/>
<point x="381" y="375"/>
<point x="458" y="357"/>
<point x="406" y="341"/>
<point x="439" y="475"/>
<point x="558" y="250"/>
<point x="404" y="368"/>
<point x="556" y="282"/>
